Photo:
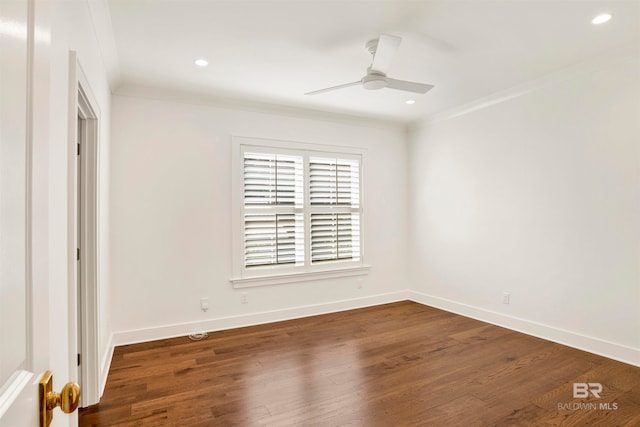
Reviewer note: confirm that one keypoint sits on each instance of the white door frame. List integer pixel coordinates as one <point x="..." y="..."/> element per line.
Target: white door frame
<point x="82" y="103"/>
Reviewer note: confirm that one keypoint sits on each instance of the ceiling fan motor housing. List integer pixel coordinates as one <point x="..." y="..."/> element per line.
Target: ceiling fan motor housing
<point x="373" y="81"/>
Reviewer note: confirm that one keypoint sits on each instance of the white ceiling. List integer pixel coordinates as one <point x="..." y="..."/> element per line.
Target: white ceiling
<point x="269" y="51"/>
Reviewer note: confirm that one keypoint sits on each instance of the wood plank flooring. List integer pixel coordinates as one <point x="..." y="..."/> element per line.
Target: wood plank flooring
<point x="398" y="365"/>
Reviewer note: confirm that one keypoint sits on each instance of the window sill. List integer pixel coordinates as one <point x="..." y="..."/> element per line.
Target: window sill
<point x="279" y="279"/>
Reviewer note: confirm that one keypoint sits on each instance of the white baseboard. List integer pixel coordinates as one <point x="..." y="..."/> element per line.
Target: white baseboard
<point x="222" y="323"/>
<point x="105" y="365"/>
<point x="582" y="342"/>
<point x="598" y="346"/>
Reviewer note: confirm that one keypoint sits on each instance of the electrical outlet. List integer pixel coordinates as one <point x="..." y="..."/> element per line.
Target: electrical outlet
<point x="244" y="298"/>
<point x="506" y="297"/>
<point x="204" y="304"/>
<point x="360" y="284"/>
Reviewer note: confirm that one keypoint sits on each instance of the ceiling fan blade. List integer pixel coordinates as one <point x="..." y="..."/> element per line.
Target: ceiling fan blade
<point x="386" y="50"/>
<point x="315" y="92"/>
<point x="408" y="86"/>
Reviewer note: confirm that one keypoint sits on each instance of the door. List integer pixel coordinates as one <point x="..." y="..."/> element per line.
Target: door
<point x="17" y="364"/>
<point x="24" y="133"/>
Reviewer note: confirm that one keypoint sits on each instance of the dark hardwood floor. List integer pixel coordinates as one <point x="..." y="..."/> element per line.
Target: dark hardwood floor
<point x="396" y="365"/>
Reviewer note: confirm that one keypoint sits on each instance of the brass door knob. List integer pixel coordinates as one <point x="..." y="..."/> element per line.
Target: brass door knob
<point x="68" y="399"/>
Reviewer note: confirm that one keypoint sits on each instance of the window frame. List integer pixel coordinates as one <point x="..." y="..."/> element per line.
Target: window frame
<point x="278" y="274"/>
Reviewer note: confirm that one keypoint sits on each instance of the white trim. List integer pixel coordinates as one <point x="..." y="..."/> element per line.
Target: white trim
<point x="215" y="101"/>
<point x="260" y="276"/>
<point x="72" y="287"/>
<point x="603" y="348"/>
<point x="622" y="53"/>
<point x="594" y="345"/>
<point x="285" y="144"/>
<point x="105" y="365"/>
<point x="83" y="102"/>
<point x="223" y="323"/>
<point x="100" y="14"/>
<point x="279" y="279"/>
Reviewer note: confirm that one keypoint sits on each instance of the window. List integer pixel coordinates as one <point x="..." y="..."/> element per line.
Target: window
<point x="334" y="189"/>
<point x="273" y="201"/>
<point x="297" y="211"/>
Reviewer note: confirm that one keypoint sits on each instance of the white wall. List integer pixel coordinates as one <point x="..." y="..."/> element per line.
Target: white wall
<point x="72" y="29"/>
<point x="535" y="192"/>
<point x="171" y="217"/>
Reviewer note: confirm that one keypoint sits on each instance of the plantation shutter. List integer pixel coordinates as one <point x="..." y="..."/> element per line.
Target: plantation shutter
<point x="273" y="203"/>
<point x="334" y="193"/>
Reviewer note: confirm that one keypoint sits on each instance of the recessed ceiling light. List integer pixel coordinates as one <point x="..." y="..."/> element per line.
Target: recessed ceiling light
<point x="601" y="19"/>
<point x="409" y="101"/>
<point x="201" y="62"/>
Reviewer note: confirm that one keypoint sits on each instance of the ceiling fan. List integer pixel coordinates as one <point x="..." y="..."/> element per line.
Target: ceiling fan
<point x="383" y="50"/>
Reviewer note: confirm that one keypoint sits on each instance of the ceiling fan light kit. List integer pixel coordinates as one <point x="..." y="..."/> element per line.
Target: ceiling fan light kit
<point x="383" y="50"/>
